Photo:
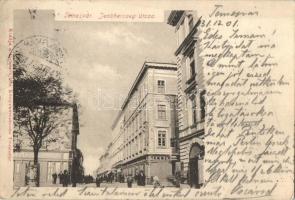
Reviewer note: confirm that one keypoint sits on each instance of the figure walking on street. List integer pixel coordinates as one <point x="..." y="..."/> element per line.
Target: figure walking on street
<point x="97" y="181"/>
<point x="156" y="182"/>
<point x="177" y="178"/>
<point x="65" y="179"/>
<point x="60" y="177"/>
<point x="136" y="178"/>
<point x="129" y="181"/>
<point x="141" y="178"/>
<point x="54" y="177"/>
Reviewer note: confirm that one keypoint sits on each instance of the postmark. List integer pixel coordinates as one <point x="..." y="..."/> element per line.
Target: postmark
<point x="40" y="48"/>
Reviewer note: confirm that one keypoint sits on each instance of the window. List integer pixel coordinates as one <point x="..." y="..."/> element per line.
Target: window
<point x="202" y="104"/>
<point x="161" y="86"/>
<point x="17" y="167"/>
<point x="50" y="170"/>
<point x="180" y="33"/>
<point x="141" y="142"/>
<point x="57" y="167"/>
<point x="161" y="138"/>
<point x="145" y="140"/>
<point x="140" y="118"/>
<point x="144" y="117"/>
<point x="190" y="23"/>
<point x="136" y="123"/>
<point x="136" y="144"/>
<point x="192" y="65"/>
<point x="161" y="112"/>
<point x="139" y="94"/>
<point x="194" y="111"/>
<point x="145" y="89"/>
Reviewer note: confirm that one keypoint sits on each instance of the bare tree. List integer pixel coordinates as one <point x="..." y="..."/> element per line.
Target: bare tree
<point x="40" y="100"/>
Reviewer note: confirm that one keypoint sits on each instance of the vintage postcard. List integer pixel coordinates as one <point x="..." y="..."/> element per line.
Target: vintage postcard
<point x="147" y="99"/>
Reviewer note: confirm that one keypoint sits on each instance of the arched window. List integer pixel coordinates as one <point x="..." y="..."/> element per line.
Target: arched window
<point x="197" y="151"/>
<point x="203" y="104"/>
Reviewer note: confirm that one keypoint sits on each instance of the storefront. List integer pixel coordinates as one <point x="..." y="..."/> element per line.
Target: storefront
<point x="49" y="163"/>
<point x="150" y="165"/>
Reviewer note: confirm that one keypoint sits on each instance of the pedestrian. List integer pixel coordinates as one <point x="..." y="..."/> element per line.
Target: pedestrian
<point x="60" y="177"/>
<point x="141" y="178"/>
<point x="129" y="181"/>
<point x="54" y="177"/>
<point x="65" y="178"/>
<point x="111" y="177"/>
<point x="189" y="181"/>
<point x="74" y="178"/>
<point x="136" y="178"/>
<point x="177" y="178"/>
<point x="156" y="182"/>
<point x="123" y="178"/>
<point x="97" y="181"/>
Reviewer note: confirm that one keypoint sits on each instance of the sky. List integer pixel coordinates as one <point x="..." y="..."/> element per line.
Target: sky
<point x="101" y="62"/>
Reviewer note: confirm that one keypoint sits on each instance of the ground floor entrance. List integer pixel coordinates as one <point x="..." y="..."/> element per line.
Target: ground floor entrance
<point x="195" y="166"/>
<point x="151" y="166"/>
<point x="49" y="165"/>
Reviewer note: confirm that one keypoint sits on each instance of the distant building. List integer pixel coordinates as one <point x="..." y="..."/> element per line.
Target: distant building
<point x="54" y="157"/>
<point x="190" y="96"/>
<point x="147" y="121"/>
<point x="105" y="162"/>
<point x="111" y="160"/>
<point x="117" y="145"/>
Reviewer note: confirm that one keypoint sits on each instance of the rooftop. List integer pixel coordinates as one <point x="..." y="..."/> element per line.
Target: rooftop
<point x="174" y="17"/>
<point x="145" y="66"/>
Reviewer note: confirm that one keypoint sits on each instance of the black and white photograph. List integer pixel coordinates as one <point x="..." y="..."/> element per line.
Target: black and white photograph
<point x="96" y="103"/>
<point x="147" y="99"/>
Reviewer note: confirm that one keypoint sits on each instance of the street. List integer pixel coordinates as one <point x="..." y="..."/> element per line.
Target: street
<point x="115" y="184"/>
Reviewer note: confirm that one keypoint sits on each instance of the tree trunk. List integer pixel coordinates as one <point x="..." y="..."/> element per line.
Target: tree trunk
<point x="36" y="166"/>
<point x="36" y="152"/>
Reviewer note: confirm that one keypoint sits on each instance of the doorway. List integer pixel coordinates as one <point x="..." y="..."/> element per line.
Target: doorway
<point x="195" y="158"/>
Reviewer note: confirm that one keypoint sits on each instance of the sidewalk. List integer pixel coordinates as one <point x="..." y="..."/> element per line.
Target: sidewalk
<point x="114" y="184"/>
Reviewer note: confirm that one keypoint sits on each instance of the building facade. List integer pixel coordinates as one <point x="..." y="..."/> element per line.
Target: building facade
<point x="190" y="96"/>
<point x="144" y="131"/>
<point x="149" y="118"/>
<point x="58" y="152"/>
<point x="116" y="153"/>
<point x="111" y="160"/>
<point x="105" y="162"/>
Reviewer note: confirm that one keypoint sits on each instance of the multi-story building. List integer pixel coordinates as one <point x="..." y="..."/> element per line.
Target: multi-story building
<point x="144" y="132"/>
<point x="117" y="144"/>
<point x="148" y="122"/>
<point x="54" y="157"/>
<point x="105" y="161"/>
<point x="190" y="96"/>
<point x="112" y="158"/>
